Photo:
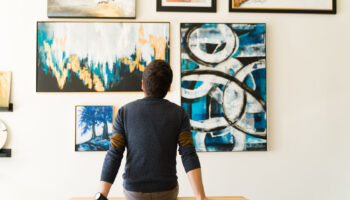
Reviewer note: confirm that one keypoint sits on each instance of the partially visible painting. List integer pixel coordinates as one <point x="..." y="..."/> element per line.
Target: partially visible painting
<point x="91" y="8"/>
<point x="93" y="127"/>
<point x="186" y="5"/>
<point x="5" y="88"/>
<point x="223" y="85"/>
<point x="97" y="56"/>
<point x="285" y="6"/>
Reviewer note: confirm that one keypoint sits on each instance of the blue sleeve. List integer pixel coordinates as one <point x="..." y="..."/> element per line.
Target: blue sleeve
<point x="187" y="150"/>
<point x="116" y="150"/>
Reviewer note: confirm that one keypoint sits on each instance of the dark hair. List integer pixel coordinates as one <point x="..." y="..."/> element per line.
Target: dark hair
<point x="157" y="78"/>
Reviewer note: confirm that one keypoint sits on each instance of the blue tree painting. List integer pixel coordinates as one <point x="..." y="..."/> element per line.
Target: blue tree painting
<point x="223" y="85"/>
<point x="93" y="128"/>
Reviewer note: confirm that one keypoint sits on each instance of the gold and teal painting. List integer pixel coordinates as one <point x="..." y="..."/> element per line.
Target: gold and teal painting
<point x="97" y="56"/>
<point x="223" y="79"/>
<point x="92" y="8"/>
<point x="93" y="127"/>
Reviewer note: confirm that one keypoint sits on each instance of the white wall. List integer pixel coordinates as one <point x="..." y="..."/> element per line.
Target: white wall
<point x="308" y="101"/>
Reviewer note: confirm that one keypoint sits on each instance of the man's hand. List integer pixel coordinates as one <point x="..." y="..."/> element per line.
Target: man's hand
<point x="195" y="177"/>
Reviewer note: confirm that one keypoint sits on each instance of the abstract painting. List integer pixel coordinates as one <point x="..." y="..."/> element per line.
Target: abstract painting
<point x="5" y="88"/>
<point x="91" y="8"/>
<point x="187" y="5"/>
<point x="223" y="85"/>
<point x="285" y="6"/>
<point x="97" y="56"/>
<point x="93" y="127"/>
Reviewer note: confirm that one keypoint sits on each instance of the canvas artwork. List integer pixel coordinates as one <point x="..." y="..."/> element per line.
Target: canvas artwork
<point x="91" y="8"/>
<point x="223" y="85"/>
<point x="287" y="6"/>
<point x="97" y="57"/>
<point x="187" y="5"/>
<point x="5" y="88"/>
<point x="93" y="127"/>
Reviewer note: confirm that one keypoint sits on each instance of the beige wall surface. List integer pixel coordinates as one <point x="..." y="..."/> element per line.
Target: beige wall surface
<point x="308" y="106"/>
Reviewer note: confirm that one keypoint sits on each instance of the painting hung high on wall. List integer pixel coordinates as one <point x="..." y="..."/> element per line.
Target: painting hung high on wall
<point x="97" y="56"/>
<point x="93" y="127"/>
<point x="285" y="6"/>
<point x="5" y="88"/>
<point x="91" y="8"/>
<point x="223" y="85"/>
<point x="187" y="5"/>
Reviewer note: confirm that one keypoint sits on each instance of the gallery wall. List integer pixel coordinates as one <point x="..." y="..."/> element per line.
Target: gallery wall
<point x="307" y="92"/>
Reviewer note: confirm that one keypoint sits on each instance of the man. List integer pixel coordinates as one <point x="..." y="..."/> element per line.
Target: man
<point x="151" y="129"/>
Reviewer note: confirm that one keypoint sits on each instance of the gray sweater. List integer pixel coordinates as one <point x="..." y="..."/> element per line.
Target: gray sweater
<point x="151" y="129"/>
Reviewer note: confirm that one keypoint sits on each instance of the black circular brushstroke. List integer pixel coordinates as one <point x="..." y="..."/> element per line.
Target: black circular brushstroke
<point x="242" y="110"/>
<point x="219" y="128"/>
<point x="228" y="77"/>
<point x="191" y="29"/>
<point x="243" y="86"/>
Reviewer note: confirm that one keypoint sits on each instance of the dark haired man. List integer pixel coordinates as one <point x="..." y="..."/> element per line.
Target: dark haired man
<point x="151" y="129"/>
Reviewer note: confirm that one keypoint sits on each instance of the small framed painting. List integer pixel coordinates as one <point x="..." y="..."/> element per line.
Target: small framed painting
<point x="5" y="88"/>
<point x="91" y="8"/>
<point x="285" y="6"/>
<point x="186" y="5"/>
<point x="93" y="127"/>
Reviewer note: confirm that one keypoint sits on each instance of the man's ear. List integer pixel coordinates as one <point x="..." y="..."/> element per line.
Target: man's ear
<point x="142" y="85"/>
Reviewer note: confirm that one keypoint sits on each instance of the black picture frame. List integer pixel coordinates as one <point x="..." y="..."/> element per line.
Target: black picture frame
<point x="162" y="8"/>
<point x="333" y="10"/>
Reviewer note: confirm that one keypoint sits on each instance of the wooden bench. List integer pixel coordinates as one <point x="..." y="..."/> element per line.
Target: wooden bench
<point x="180" y="198"/>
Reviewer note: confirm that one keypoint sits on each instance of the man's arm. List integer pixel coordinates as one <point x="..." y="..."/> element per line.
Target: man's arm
<point x="112" y="163"/>
<point x="104" y="188"/>
<point x="190" y="158"/>
<point x="195" y="178"/>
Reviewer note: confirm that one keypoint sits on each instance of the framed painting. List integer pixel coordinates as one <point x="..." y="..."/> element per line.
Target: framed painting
<point x="285" y="6"/>
<point x="223" y="85"/>
<point x="186" y="5"/>
<point x="97" y="56"/>
<point x="92" y="8"/>
<point x="5" y="88"/>
<point x="93" y="127"/>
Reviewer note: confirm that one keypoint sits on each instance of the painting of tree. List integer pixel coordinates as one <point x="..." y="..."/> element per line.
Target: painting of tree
<point x="93" y="127"/>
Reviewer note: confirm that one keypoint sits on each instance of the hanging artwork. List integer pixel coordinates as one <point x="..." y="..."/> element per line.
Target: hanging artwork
<point x="97" y="57"/>
<point x="223" y="80"/>
<point x="5" y="88"/>
<point x="93" y="127"/>
<point x="91" y="8"/>
<point x="285" y="6"/>
<point x="187" y="5"/>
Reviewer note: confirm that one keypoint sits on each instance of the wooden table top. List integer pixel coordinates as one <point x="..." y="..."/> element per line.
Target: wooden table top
<point x="179" y="198"/>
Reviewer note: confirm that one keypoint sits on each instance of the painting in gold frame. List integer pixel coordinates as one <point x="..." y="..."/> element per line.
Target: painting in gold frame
<point x="108" y="57"/>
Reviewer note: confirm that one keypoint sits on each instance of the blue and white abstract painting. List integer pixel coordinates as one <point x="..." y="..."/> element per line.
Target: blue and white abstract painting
<point x="93" y="128"/>
<point x="97" y="56"/>
<point x="223" y="85"/>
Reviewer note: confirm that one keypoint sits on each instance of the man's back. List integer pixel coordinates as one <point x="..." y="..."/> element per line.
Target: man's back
<point x="151" y="127"/>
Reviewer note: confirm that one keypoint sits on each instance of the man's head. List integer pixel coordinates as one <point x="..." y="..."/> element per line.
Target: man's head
<point x="157" y="79"/>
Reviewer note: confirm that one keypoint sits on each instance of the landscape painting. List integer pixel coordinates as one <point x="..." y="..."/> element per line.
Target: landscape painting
<point x="223" y="85"/>
<point x="186" y="5"/>
<point x="285" y="6"/>
<point x="91" y="8"/>
<point x="97" y="56"/>
<point x="5" y="88"/>
<point x="93" y="127"/>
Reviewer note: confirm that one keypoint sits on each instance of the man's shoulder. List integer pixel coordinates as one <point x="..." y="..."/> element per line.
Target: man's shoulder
<point x="141" y="102"/>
